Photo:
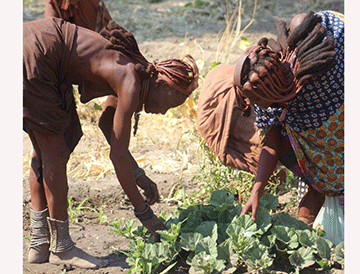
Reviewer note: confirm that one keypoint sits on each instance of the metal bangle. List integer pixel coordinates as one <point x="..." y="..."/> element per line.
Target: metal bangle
<point x="138" y="172"/>
<point x="146" y="214"/>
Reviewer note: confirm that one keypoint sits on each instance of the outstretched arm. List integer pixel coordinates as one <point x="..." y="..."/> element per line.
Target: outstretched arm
<point x="119" y="139"/>
<point x="274" y="148"/>
<point x="119" y="142"/>
<point x="106" y="125"/>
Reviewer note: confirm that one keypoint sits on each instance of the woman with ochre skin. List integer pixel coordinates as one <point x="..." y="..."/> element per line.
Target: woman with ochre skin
<point x="297" y="88"/>
<point x="93" y="15"/>
<point x="58" y="54"/>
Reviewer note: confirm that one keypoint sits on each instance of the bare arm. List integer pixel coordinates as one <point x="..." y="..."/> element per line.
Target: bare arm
<point x="106" y="122"/>
<point x="119" y="139"/>
<point x="106" y="125"/>
<point x="275" y="147"/>
<point x="119" y="143"/>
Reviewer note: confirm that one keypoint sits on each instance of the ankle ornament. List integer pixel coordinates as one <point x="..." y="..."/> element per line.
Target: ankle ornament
<point x="39" y="233"/>
<point x="60" y="239"/>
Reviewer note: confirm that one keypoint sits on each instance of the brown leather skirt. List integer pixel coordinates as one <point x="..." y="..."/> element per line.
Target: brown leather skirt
<point x="48" y="100"/>
<point x="230" y="135"/>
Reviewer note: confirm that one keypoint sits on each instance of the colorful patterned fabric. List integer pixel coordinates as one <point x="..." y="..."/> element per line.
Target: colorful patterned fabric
<point x="314" y="120"/>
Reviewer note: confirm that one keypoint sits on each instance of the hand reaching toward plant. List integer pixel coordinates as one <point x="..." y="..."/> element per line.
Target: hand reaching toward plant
<point x="153" y="224"/>
<point x="150" y="189"/>
<point x="252" y="205"/>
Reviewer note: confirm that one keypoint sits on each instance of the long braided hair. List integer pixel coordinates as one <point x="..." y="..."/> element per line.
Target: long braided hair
<point x="276" y="71"/>
<point x="178" y="74"/>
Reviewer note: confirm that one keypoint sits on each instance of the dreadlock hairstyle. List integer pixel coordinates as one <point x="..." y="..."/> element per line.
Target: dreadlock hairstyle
<point x="269" y="70"/>
<point x="176" y="73"/>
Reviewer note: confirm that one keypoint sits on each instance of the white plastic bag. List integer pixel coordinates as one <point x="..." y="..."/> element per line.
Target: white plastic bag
<point x="330" y="219"/>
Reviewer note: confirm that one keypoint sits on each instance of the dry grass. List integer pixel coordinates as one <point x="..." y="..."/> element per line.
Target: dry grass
<point x="231" y="37"/>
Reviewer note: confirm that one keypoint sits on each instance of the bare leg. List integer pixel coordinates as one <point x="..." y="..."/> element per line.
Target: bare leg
<point x="310" y="206"/>
<point x="40" y="238"/>
<point x="54" y="156"/>
<point x="38" y="199"/>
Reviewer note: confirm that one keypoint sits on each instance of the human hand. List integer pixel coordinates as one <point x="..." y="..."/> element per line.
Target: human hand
<point x="150" y="189"/>
<point x="153" y="224"/>
<point x="252" y="205"/>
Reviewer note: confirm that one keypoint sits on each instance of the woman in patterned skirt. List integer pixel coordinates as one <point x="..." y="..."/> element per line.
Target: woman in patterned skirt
<point x="296" y="85"/>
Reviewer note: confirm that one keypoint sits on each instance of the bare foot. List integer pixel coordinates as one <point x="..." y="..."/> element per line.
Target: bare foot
<point x="78" y="258"/>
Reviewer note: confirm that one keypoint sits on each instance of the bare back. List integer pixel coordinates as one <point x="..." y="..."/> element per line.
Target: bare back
<point x="98" y="71"/>
<point x="58" y="54"/>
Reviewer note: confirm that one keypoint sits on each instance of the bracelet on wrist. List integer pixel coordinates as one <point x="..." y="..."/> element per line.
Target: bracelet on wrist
<point x="146" y="214"/>
<point x="138" y="172"/>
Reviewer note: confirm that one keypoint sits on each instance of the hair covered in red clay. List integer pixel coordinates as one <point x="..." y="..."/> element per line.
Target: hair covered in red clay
<point x="178" y="74"/>
<point x="279" y="69"/>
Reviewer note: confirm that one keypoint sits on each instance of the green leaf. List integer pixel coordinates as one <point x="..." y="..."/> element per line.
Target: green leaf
<point x="205" y="263"/>
<point x="172" y="234"/>
<point x="339" y="253"/>
<point x="285" y="235"/>
<point x="258" y="258"/>
<point x="227" y="213"/>
<point x="190" y="211"/>
<point x="149" y="252"/>
<point x="243" y="225"/>
<point x="140" y="231"/>
<point x="208" y="229"/>
<point x="222" y="235"/>
<point x="303" y="257"/>
<point x="97" y="106"/>
<point x="193" y="220"/>
<point x="214" y="64"/>
<point x="306" y="238"/>
<point x="268" y="240"/>
<point x="285" y="219"/>
<point x="269" y="201"/>
<point x="224" y="250"/>
<point x="188" y="241"/>
<point x="220" y="197"/>
<point x="126" y="231"/>
<point x="263" y="221"/>
<point x="323" y="249"/>
<point x="208" y="245"/>
<point x="210" y="212"/>
<point x="166" y="270"/>
<point x="227" y="253"/>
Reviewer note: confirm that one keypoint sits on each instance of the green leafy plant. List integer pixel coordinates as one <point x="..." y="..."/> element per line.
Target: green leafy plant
<point x="74" y="212"/>
<point x="149" y="257"/>
<point x="213" y="238"/>
<point x="214" y="175"/>
<point x="100" y="214"/>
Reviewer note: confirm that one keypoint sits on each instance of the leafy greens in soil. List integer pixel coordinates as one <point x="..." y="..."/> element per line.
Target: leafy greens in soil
<point x="213" y="238"/>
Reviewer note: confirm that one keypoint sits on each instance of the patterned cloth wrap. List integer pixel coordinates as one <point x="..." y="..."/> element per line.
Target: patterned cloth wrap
<point x="314" y="121"/>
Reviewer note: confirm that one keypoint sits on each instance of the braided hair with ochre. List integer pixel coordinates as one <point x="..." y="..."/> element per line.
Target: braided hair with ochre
<point x="278" y="70"/>
<point x="178" y="74"/>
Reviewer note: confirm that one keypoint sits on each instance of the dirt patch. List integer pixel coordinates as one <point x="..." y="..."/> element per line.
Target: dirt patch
<point x="164" y="29"/>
